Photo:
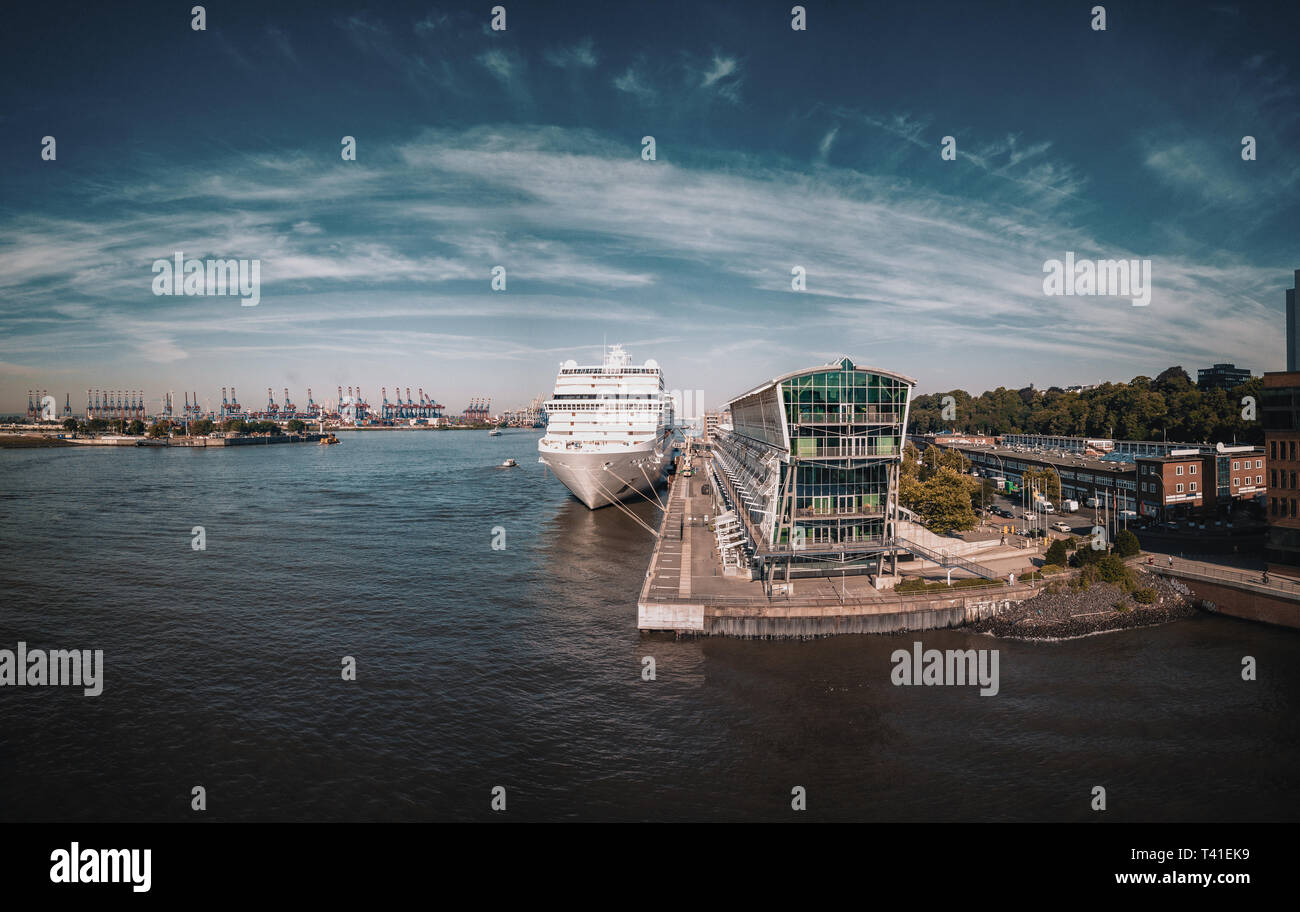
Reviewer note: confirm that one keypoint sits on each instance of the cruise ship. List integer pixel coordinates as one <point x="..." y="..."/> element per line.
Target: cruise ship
<point x="610" y="429"/>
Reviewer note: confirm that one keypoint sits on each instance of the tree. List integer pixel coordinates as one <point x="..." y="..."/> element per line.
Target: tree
<point x="297" y="426"/>
<point x="930" y="461"/>
<point x="1142" y="408"/>
<point x="201" y="427"/>
<point x="911" y="460"/>
<point x="1172" y="380"/>
<point x="982" y="493"/>
<point x="136" y="428"/>
<point x="1112" y="569"/>
<point x="1086" y="554"/>
<point x="234" y="426"/>
<point x="1057" y="554"/>
<point x="1127" y="544"/>
<point x="942" y="502"/>
<point x="70" y="425"/>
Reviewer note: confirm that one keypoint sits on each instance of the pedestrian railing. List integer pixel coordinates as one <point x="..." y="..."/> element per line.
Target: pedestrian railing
<point x="1184" y="567"/>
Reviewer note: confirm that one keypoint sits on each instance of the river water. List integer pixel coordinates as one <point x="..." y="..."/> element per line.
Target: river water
<point x="521" y="666"/>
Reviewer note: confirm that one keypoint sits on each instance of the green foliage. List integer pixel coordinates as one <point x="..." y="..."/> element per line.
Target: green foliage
<point x="1112" y="569"/>
<point x="297" y="426"/>
<point x="1127" y="544"/>
<point x="1086" y="554"/>
<point x="920" y="585"/>
<point x="201" y="428"/>
<point x="136" y="428"/>
<point x="1057" y="554"/>
<point x="1088" y="575"/>
<point x="240" y="426"/>
<point x="70" y="425"/>
<point x="1145" y="596"/>
<point x="1142" y="409"/>
<point x="941" y="501"/>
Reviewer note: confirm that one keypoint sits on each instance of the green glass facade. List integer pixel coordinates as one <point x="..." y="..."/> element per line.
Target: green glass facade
<point x="815" y="458"/>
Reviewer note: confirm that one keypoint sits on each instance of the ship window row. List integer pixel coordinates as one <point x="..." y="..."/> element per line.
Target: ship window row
<point x="607" y="410"/>
<point x="576" y="371"/>
<point x="590" y="397"/>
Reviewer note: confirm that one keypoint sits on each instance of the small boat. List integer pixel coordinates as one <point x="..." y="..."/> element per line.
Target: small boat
<point x="495" y="432"/>
<point x="509" y="464"/>
<point x="327" y="441"/>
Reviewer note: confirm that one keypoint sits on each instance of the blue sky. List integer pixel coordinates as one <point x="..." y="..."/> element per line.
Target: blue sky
<point x="522" y="148"/>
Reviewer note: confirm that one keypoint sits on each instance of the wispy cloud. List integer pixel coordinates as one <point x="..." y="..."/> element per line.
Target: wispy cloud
<point x="581" y="55"/>
<point x="723" y="77"/>
<point x="634" y="82"/>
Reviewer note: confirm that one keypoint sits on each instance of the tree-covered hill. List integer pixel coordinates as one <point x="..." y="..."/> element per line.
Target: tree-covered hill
<point x="1168" y="407"/>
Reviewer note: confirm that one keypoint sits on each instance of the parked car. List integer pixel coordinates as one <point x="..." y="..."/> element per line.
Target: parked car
<point x="1060" y="527"/>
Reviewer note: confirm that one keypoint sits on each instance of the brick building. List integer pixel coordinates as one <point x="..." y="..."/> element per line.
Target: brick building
<point x="1281" y="416"/>
<point x="1177" y="486"/>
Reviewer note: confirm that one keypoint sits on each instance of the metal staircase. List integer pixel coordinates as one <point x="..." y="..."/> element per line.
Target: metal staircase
<point x="944" y="559"/>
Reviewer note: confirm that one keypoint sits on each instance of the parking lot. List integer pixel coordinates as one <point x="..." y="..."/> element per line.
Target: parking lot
<point x="1078" y="523"/>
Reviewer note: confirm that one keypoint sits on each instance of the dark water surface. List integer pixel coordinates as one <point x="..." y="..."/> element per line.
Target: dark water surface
<point x="521" y="667"/>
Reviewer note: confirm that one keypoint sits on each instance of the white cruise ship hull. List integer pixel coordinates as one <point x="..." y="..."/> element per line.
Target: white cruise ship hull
<point x="599" y="479"/>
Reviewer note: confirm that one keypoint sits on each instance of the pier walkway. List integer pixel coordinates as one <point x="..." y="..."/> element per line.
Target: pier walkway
<point x="685" y="588"/>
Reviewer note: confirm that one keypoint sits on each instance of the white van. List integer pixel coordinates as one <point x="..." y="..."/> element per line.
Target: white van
<point x="1093" y="502"/>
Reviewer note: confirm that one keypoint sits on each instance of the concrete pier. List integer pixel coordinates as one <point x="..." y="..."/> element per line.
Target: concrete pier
<point x="686" y="591"/>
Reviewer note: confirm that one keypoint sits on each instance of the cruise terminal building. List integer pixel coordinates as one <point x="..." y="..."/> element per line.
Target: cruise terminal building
<point x="810" y="467"/>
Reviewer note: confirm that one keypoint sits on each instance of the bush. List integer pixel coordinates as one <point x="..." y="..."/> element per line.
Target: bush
<point x="1086" y="554"/>
<point x="1111" y="569"/>
<point x="1145" y="596"/>
<point x="1057" y="553"/>
<point x="1127" y="544"/>
<point x="1121" y="606"/>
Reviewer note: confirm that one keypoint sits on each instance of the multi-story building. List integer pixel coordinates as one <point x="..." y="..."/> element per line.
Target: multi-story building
<point x="1241" y="473"/>
<point x="810" y="463"/>
<point x="711" y="422"/>
<point x="1280" y="412"/>
<point x="1222" y="376"/>
<point x="1199" y="483"/>
<point x="1176" y="486"/>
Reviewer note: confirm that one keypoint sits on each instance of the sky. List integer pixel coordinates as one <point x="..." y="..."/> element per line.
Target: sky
<point x="523" y="148"/>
